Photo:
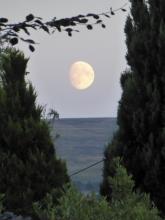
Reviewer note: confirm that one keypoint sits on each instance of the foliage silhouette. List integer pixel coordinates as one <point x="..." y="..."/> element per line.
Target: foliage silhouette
<point x="28" y="165"/>
<point x="140" y="139"/>
<point x="53" y="114"/>
<point x="11" y="33"/>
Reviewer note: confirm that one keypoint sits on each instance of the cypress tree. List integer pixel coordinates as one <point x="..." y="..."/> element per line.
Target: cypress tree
<point x="29" y="167"/>
<point x="140" y="139"/>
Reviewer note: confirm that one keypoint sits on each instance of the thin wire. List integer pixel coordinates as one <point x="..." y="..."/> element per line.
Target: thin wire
<point x="115" y="10"/>
<point x="118" y="9"/>
<point x="86" y="168"/>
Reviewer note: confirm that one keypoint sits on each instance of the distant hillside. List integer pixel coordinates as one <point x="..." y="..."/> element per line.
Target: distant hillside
<point x="81" y="143"/>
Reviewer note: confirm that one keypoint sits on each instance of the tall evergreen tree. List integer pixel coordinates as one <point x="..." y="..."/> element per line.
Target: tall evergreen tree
<point x="28" y="165"/>
<point x="140" y="139"/>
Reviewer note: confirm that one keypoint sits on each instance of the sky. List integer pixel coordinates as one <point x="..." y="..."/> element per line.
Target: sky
<point x="49" y="65"/>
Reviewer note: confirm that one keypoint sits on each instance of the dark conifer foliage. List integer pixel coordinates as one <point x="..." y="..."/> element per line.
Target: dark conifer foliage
<point x="28" y="164"/>
<point x="140" y="139"/>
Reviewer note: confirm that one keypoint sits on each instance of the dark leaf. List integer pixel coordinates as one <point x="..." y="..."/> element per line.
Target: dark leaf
<point x="90" y="15"/>
<point x="58" y="28"/>
<point x="29" y="17"/>
<point x="70" y="34"/>
<point x="14" y="41"/>
<point x="96" y="16"/>
<point x="31" y="48"/>
<point x="69" y="29"/>
<point x="106" y="15"/>
<point x="123" y="9"/>
<point x="99" y="21"/>
<point x="112" y="12"/>
<point x="38" y="22"/>
<point x="45" y="28"/>
<point x="3" y="20"/>
<point x="103" y="26"/>
<point x="80" y="16"/>
<point x="93" y="15"/>
<point x="83" y="20"/>
<point x="30" y="41"/>
<point x="89" y="26"/>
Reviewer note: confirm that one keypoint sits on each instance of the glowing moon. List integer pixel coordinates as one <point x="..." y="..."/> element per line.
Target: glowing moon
<point x="81" y="75"/>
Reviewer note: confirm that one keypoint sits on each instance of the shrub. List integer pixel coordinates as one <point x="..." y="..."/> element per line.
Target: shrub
<point x="125" y="204"/>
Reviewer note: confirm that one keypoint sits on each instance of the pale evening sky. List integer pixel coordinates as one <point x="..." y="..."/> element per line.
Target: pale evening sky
<point x="49" y="65"/>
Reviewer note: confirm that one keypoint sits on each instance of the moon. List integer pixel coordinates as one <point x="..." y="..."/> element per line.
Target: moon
<point x="81" y="75"/>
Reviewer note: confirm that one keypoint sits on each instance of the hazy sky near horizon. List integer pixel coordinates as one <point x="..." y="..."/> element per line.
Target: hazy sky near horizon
<point x="49" y="65"/>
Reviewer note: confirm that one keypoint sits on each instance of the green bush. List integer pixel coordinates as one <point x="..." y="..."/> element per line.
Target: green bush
<point x="73" y="206"/>
<point x="125" y="204"/>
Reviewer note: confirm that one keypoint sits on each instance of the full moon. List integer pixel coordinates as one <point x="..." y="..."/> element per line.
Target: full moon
<point x="81" y="75"/>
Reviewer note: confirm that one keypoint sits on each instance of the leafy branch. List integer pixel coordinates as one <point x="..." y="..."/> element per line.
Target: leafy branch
<point x="11" y="33"/>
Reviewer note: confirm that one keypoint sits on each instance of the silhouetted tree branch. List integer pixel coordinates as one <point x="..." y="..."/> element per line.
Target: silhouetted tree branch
<point x="11" y="33"/>
<point x="53" y="114"/>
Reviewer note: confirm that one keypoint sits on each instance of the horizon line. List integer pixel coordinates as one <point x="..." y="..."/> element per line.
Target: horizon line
<point x="87" y="117"/>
